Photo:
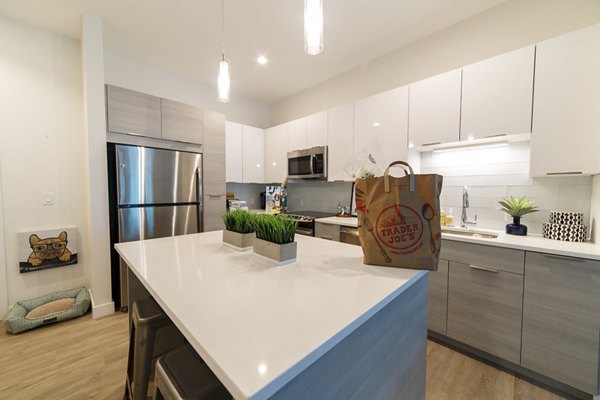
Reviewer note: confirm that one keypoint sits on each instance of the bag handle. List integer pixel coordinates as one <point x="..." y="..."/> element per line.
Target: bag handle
<point x="405" y="166"/>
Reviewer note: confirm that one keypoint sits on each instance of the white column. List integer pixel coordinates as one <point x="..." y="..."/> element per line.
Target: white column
<point x="3" y="280"/>
<point x="97" y="248"/>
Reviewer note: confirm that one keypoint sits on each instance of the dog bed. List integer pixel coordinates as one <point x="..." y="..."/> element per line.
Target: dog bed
<point x="53" y="307"/>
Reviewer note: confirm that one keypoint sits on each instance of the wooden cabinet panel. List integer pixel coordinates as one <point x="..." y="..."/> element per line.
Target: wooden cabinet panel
<point x="327" y="231"/>
<point x="233" y="152"/>
<point x="316" y="130"/>
<point x="380" y="126"/>
<point x="435" y="109"/>
<point x="214" y="170"/>
<point x="340" y="127"/>
<point x="497" y="95"/>
<point x="254" y="156"/>
<point x="276" y="145"/>
<point x="297" y="134"/>
<point x="438" y="298"/>
<point x="181" y="122"/>
<point x="132" y="112"/>
<point x="561" y="319"/>
<point x="485" y="309"/>
<point x="565" y="135"/>
<point x="500" y="258"/>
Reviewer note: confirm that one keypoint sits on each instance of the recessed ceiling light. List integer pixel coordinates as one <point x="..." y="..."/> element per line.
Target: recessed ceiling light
<point x="376" y="124"/>
<point x="262" y="60"/>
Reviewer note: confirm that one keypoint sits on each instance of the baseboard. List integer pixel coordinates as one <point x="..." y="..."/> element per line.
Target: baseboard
<point x="101" y="310"/>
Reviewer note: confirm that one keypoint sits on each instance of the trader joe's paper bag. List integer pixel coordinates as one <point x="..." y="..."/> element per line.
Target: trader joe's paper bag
<point x="399" y="219"/>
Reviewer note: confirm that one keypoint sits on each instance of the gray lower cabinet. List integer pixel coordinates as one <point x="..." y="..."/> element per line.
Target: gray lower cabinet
<point x="213" y="174"/>
<point x="327" y="231"/>
<point x="438" y="297"/>
<point x="561" y="319"/>
<point x="181" y="122"/>
<point x="485" y="308"/>
<point x="132" y="112"/>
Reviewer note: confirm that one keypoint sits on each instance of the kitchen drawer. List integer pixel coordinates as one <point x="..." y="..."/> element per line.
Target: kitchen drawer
<point x="499" y="258"/>
<point x="485" y="309"/>
<point x="438" y="298"/>
<point x="327" y="231"/>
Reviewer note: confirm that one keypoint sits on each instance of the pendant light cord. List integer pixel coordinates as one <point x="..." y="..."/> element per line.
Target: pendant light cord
<point x="223" y="28"/>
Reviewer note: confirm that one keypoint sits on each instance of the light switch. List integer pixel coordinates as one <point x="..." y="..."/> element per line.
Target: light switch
<point x="48" y="198"/>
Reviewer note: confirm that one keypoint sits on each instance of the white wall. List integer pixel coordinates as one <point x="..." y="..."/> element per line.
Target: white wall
<point x="130" y="74"/>
<point x="494" y="173"/>
<point x="3" y="283"/>
<point x="41" y="149"/>
<point x="511" y="25"/>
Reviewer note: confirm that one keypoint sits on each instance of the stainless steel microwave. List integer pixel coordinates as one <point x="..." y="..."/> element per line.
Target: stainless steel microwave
<point x="308" y="164"/>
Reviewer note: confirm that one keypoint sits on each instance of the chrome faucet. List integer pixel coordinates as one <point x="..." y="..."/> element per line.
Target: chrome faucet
<point x="464" y="221"/>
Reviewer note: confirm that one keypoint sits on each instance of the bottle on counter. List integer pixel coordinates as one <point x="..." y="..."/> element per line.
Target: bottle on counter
<point x="442" y="217"/>
<point x="450" y="218"/>
<point x="339" y="209"/>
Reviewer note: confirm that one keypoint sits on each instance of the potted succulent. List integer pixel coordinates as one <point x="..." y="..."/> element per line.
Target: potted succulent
<point x="516" y="208"/>
<point x="239" y="229"/>
<point x="275" y="238"/>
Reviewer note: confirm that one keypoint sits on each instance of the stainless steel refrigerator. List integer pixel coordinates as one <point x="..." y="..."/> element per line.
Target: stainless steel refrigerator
<point x="154" y="193"/>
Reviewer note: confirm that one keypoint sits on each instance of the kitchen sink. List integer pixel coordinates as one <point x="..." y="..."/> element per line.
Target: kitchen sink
<point x="475" y="233"/>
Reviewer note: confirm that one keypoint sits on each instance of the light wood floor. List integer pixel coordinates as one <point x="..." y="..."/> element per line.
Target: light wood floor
<point x="86" y="359"/>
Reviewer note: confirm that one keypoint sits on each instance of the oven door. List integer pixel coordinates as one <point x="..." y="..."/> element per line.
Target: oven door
<point x="301" y="230"/>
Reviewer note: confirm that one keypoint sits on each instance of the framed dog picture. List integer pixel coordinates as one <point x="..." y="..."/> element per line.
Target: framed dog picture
<point x="47" y="249"/>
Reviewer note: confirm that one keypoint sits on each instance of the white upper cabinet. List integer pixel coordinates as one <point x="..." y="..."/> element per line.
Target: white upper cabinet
<point x="566" y="121"/>
<point x="497" y="95"/>
<point x="435" y="109"/>
<point x="316" y="129"/>
<point x="233" y="152"/>
<point x="297" y="134"/>
<point x="254" y="160"/>
<point x="380" y="126"/>
<point x="181" y="122"/>
<point x="276" y="148"/>
<point x="341" y="141"/>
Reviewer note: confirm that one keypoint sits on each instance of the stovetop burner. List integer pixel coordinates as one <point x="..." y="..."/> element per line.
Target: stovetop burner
<point x="308" y="215"/>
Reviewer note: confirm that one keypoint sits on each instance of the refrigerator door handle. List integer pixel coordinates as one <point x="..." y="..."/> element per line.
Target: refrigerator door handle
<point x="200" y="193"/>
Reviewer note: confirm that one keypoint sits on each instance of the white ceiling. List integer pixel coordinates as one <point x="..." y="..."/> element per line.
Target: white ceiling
<point x="184" y="36"/>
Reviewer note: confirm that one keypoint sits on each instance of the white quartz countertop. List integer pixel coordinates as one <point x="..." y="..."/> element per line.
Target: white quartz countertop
<point x="255" y="324"/>
<point x="529" y="242"/>
<point x="344" y="221"/>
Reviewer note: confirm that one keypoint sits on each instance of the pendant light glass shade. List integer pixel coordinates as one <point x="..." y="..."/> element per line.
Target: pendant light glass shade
<point x="313" y="26"/>
<point x="223" y="81"/>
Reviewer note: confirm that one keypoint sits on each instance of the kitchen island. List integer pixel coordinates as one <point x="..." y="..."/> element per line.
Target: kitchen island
<point x="326" y="326"/>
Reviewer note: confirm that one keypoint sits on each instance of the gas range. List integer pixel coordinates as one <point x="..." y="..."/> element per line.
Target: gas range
<point x="306" y="220"/>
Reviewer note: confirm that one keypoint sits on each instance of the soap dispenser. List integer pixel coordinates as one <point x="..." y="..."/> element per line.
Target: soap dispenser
<point x="442" y="217"/>
<point x="450" y="218"/>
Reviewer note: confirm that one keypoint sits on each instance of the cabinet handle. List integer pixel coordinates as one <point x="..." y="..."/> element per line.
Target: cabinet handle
<point x="479" y="268"/>
<point x="565" y="173"/>
<point x="216" y="195"/>
<point x="431" y="144"/>
<point x="326" y="237"/>
<point x="495" y="135"/>
<point x="563" y="258"/>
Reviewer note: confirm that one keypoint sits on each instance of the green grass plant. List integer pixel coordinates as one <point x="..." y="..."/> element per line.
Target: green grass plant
<point x="275" y="228"/>
<point x="240" y="221"/>
<point x="517" y="207"/>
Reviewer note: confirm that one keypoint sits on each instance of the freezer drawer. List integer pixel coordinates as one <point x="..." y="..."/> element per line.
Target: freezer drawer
<point x="155" y="176"/>
<point x="139" y="223"/>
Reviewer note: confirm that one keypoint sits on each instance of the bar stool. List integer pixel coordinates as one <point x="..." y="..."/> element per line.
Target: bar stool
<point x="151" y="334"/>
<point x="182" y="375"/>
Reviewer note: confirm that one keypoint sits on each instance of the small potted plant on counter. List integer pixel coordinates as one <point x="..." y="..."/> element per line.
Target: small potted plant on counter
<point x="275" y="238"/>
<point x="239" y="229"/>
<point x="516" y="208"/>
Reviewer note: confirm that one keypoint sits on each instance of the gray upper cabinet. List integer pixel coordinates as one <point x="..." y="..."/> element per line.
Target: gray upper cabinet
<point x="561" y="319"/>
<point x="181" y="122"/>
<point x="133" y="112"/>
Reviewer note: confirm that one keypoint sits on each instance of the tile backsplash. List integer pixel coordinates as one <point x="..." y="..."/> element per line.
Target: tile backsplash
<point x="493" y="173"/>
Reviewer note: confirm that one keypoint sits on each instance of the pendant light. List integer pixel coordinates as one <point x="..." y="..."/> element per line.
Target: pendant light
<point x="223" y="80"/>
<point x="313" y="26"/>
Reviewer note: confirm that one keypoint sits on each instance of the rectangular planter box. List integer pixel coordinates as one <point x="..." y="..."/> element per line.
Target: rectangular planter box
<point x="279" y="254"/>
<point x="238" y="241"/>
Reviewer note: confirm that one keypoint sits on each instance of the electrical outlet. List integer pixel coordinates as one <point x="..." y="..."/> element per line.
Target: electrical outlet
<point x="47" y="198"/>
<point x="252" y="201"/>
<point x="301" y="202"/>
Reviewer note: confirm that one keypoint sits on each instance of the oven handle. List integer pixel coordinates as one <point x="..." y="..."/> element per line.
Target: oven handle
<point x="313" y="160"/>
<point x="304" y="231"/>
